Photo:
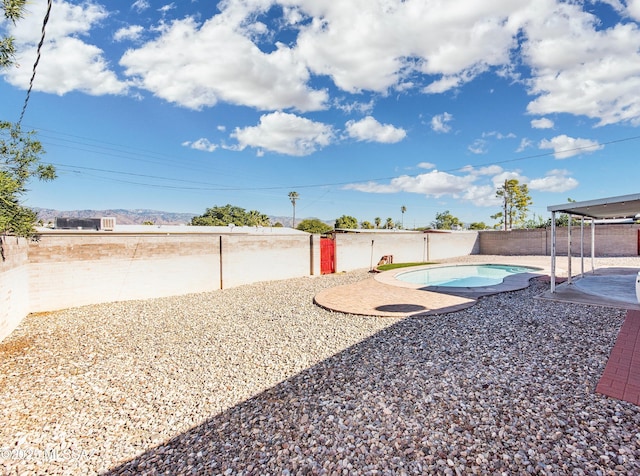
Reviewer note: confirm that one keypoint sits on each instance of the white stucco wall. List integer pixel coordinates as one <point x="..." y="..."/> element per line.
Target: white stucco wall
<point x="364" y="250"/>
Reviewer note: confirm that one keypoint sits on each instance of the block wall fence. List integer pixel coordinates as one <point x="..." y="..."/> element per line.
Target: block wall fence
<point x="75" y="269"/>
<point x="610" y="240"/>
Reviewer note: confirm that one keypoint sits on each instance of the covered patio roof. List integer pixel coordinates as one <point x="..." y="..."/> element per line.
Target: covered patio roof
<point x="625" y="206"/>
<point x="621" y="207"/>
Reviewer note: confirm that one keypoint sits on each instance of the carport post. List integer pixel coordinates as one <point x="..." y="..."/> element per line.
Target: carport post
<point x="582" y="246"/>
<point x="553" y="252"/>
<point x="569" y="249"/>
<point x="593" y="244"/>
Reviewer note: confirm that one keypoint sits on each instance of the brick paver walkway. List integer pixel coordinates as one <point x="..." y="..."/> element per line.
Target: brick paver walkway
<point x="621" y="376"/>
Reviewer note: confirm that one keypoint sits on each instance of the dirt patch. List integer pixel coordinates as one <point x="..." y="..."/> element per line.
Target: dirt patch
<point x="12" y="347"/>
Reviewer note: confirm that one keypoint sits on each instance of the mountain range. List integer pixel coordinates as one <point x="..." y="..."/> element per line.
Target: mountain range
<point x="137" y="216"/>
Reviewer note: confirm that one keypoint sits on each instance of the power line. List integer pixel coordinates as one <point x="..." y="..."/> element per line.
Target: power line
<point x="216" y="187"/>
<point x="35" y="65"/>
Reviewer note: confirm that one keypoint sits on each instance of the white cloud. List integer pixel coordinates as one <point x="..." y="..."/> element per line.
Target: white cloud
<point x="499" y="135"/>
<point x="477" y="186"/>
<point x="215" y="61"/>
<point x="440" y="122"/>
<point x="370" y="130"/>
<point x="434" y="184"/>
<point x="426" y="165"/>
<point x="286" y="134"/>
<point x="542" y="123"/>
<point x="67" y="62"/>
<point x="633" y="9"/>
<point x="488" y="170"/>
<point x="140" y="5"/>
<point x="479" y="146"/>
<point x="350" y="107"/>
<point x="201" y="144"/>
<point x="580" y="68"/>
<point x="524" y="144"/>
<point x="554" y="181"/>
<point x="167" y="8"/>
<point x="482" y="196"/>
<point x="442" y="85"/>
<point x="131" y="32"/>
<point x="365" y="45"/>
<point x="499" y="179"/>
<point x="564" y="146"/>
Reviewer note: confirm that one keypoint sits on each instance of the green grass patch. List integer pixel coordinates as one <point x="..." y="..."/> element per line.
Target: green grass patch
<point x="387" y="267"/>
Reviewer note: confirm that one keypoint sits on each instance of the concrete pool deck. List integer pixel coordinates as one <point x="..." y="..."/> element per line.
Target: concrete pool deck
<point x="383" y="295"/>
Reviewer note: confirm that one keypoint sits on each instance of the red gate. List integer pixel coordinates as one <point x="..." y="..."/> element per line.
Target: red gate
<point x="327" y="256"/>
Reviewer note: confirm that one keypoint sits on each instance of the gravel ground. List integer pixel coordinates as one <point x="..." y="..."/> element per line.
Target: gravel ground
<point x="258" y="380"/>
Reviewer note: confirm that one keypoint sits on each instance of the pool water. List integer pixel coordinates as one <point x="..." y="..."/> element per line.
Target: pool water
<point x="464" y="276"/>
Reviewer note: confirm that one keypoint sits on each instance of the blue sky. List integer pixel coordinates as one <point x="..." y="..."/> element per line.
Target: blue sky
<point x="360" y="106"/>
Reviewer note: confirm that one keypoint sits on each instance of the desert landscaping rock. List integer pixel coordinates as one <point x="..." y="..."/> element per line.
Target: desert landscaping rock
<point x="258" y="380"/>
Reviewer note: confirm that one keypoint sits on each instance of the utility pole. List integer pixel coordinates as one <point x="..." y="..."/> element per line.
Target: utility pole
<point x="504" y="197"/>
<point x="293" y="196"/>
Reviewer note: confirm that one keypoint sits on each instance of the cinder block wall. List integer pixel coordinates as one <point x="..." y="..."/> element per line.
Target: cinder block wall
<point x="364" y="250"/>
<point x="74" y="270"/>
<point x="254" y="258"/>
<point x="14" y="283"/>
<point x="452" y="245"/>
<point x="514" y="242"/>
<point x="610" y="240"/>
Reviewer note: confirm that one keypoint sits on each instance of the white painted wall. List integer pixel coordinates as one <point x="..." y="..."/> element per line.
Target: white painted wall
<point x="14" y="284"/>
<point x="249" y="259"/>
<point x="67" y="284"/>
<point x="364" y="250"/>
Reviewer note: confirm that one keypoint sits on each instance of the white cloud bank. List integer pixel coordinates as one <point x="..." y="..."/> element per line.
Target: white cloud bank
<point x="473" y="185"/>
<point x="542" y="123"/>
<point x="564" y="146"/>
<point x="285" y="133"/>
<point x="218" y="61"/>
<point x="131" y="32"/>
<point x="67" y="63"/>
<point x="370" y="130"/>
<point x="554" y="181"/>
<point x="577" y="66"/>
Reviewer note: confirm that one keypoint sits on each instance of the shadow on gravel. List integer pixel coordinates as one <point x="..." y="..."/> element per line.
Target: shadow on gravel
<point x="498" y="392"/>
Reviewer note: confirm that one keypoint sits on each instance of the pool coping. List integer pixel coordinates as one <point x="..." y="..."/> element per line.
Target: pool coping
<point x="384" y="296"/>
<point x="513" y="282"/>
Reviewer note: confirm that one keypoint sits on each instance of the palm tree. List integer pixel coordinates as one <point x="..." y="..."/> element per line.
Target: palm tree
<point x="389" y="224"/>
<point x="403" y="209"/>
<point x="377" y="222"/>
<point x="293" y="196"/>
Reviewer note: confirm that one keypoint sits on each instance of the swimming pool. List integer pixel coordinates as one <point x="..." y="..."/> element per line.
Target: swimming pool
<point x="463" y="276"/>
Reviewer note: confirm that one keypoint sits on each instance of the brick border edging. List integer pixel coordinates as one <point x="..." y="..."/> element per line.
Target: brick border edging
<point x="621" y="376"/>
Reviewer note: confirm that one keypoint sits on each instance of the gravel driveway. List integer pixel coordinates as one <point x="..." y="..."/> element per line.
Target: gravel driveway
<point x="258" y="380"/>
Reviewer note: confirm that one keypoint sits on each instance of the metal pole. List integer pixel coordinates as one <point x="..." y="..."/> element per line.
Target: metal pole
<point x="593" y="244"/>
<point x="569" y="249"/>
<point x="581" y="247"/>
<point x="424" y="250"/>
<point x="311" y="260"/>
<point x="553" y="252"/>
<point x="221" y="283"/>
<point x="371" y="262"/>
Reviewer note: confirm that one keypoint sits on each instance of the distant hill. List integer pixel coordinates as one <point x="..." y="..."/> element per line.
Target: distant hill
<point x="138" y="217"/>
<point x="123" y="217"/>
